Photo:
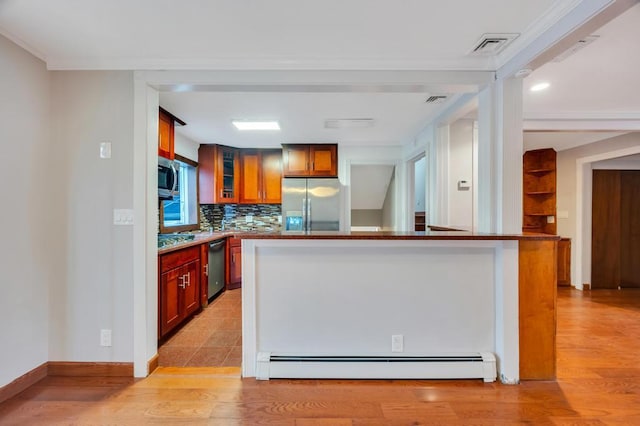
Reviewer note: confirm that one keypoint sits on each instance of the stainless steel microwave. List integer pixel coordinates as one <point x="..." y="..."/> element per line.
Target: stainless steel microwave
<point x="167" y="178"/>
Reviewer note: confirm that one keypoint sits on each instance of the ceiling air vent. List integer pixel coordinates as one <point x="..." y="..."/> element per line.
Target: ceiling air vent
<point x="492" y="44"/>
<point x="349" y="123"/>
<point x="436" y="99"/>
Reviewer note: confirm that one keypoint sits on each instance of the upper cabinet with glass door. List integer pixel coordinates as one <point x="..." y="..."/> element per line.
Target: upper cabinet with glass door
<point x="218" y="174"/>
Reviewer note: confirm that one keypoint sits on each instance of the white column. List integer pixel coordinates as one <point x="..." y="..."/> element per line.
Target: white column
<point x="441" y="178"/>
<point x="500" y="151"/>
<point x="510" y="155"/>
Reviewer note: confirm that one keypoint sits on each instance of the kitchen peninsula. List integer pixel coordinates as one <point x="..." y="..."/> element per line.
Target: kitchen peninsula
<point x="399" y="305"/>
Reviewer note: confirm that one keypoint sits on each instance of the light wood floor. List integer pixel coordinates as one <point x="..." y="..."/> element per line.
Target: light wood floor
<point x="599" y="383"/>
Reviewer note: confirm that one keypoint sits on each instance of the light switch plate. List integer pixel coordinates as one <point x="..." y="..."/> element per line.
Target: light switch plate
<point x="122" y="217"/>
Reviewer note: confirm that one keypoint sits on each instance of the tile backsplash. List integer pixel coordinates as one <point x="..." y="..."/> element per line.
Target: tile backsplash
<point x="264" y="217"/>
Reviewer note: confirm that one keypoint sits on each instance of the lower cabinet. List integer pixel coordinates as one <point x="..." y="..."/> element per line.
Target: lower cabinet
<point x="234" y="263"/>
<point x="179" y="291"/>
<point x="564" y="262"/>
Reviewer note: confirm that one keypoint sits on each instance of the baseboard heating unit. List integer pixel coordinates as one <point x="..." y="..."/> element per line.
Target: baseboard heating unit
<point x="286" y="366"/>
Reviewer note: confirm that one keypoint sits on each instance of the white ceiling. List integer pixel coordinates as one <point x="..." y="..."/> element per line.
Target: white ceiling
<point x="232" y="34"/>
<point x="398" y="117"/>
<point x="327" y="35"/>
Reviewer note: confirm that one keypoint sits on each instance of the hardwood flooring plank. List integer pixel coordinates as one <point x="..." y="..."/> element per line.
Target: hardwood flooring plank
<point x="598" y="384"/>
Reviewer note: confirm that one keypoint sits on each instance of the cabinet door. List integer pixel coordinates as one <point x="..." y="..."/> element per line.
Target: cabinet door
<point x="272" y="176"/>
<point x="191" y="291"/>
<point x="227" y="179"/>
<point x="235" y="267"/>
<point x="165" y="136"/>
<point x="324" y="160"/>
<point x="564" y="261"/>
<point x="169" y="300"/>
<point x="207" y="174"/>
<point x="250" y="179"/>
<point x="295" y="160"/>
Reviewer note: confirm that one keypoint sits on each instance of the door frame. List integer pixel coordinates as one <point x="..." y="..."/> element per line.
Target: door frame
<point x="581" y="275"/>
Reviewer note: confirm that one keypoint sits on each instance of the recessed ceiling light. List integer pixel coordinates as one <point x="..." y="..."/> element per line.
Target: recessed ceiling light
<point x="540" y="86"/>
<point x="256" y="125"/>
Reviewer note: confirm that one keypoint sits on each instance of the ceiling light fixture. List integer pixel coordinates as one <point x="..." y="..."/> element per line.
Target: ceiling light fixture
<point x="256" y="125"/>
<point x="540" y="86"/>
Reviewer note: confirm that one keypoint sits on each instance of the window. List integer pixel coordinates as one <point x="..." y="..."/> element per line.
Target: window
<point x="181" y="213"/>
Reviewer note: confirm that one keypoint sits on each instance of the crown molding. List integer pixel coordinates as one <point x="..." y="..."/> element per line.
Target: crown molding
<point x="582" y="121"/>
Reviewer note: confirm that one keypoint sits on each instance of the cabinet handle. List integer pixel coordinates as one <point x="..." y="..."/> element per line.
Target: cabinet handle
<point x="188" y="279"/>
<point x="233" y="258"/>
<point x="313" y="165"/>
<point x="182" y="284"/>
<point x="206" y="269"/>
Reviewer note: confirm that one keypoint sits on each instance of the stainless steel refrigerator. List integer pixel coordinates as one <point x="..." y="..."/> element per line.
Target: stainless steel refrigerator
<point x="310" y="204"/>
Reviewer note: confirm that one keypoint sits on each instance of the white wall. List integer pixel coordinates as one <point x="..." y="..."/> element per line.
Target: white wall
<point x="460" y="168"/>
<point x="31" y="212"/>
<point x="375" y="155"/>
<point x="185" y="146"/>
<point x="420" y="181"/>
<point x="566" y="196"/>
<point x="389" y="205"/>
<point x="89" y="107"/>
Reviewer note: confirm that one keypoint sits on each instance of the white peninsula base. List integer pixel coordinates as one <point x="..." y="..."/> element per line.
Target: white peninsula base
<point x="380" y="308"/>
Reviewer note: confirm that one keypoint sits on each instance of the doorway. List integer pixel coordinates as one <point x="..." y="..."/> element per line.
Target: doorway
<point x="419" y="193"/>
<point x="615" y="229"/>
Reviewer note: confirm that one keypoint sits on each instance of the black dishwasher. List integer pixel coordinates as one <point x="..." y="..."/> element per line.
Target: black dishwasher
<point x="216" y="268"/>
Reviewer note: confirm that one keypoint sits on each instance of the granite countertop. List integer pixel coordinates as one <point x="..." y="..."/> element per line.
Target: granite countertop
<point x="393" y="235"/>
<point x="180" y="241"/>
<point x="205" y="237"/>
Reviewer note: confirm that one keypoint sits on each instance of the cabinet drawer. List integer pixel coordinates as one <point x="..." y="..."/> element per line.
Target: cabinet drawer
<point x="177" y="258"/>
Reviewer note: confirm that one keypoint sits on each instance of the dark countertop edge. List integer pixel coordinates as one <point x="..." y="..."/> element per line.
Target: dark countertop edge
<point x="200" y="238"/>
<point x="439" y="235"/>
<point x="206" y="237"/>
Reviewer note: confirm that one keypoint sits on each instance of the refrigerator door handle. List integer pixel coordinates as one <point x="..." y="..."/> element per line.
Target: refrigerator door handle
<point x="304" y="214"/>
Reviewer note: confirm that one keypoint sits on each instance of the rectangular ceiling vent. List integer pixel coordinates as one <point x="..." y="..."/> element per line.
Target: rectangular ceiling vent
<point x="581" y="44"/>
<point x="436" y="99"/>
<point x="349" y="123"/>
<point x="492" y="44"/>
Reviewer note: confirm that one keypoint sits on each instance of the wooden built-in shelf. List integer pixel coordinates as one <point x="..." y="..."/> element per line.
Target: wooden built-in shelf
<point x="539" y="190"/>
<point x="539" y="171"/>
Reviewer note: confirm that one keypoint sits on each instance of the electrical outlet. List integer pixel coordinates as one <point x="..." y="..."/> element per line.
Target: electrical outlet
<point x="397" y="343"/>
<point x="105" y="337"/>
<point x="249" y="218"/>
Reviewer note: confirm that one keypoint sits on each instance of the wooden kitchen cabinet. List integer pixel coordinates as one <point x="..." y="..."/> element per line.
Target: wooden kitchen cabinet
<point x="179" y="289"/>
<point x="260" y="176"/>
<point x="166" y="131"/>
<point x="218" y="174"/>
<point x="564" y="262"/>
<point x="539" y="191"/>
<point x="310" y="160"/>
<point x="234" y="263"/>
